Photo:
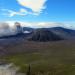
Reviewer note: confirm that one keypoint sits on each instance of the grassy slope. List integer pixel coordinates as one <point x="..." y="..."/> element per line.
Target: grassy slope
<point x="52" y="58"/>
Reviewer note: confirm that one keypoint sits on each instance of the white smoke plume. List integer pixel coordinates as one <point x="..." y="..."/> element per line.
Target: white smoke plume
<point x="6" y="29"/>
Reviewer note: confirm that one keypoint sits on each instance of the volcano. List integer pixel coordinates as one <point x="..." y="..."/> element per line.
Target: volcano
<point x="43" y="35"/>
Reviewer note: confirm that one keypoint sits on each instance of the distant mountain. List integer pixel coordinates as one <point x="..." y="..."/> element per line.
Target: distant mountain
<point x="43" y="34"/>
<point x="63" y="32"/>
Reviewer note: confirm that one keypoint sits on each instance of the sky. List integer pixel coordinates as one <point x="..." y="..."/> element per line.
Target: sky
<point x="42" y="11"/>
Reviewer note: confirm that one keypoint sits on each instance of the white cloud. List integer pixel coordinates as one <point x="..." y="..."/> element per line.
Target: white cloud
<point x="35" y="5"/>
<point x="36" y="24"/>
<point x="21" y="12"/>
<point x="48" y="24"/>
<point x="10" y="13"/>
<point x="44" y="24"/>
<point x="70" y="25"/>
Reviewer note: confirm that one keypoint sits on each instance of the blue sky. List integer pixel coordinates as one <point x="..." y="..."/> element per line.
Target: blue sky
<point x="48" y="10"/>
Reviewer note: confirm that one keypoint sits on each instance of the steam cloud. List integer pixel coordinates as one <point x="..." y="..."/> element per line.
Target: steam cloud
<point x="6" y="30"/>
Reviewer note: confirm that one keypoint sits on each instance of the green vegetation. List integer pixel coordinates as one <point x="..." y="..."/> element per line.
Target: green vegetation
<point x="41" y="64"/>
<point x="44" y="58"/>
